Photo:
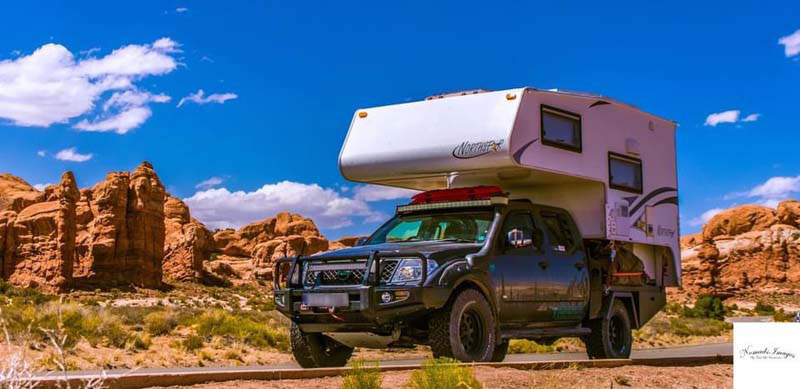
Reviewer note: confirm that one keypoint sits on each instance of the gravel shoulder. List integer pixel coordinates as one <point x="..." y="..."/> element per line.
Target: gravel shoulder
<point x="706" y="376"/>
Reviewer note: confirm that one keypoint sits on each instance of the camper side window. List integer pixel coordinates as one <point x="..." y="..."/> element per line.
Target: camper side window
<point x="625" y="173"/>
<point x="561" y="129"/>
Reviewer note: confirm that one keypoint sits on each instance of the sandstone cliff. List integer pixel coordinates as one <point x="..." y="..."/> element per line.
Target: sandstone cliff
<point x="188" y="244"/>
<point x="127" y="230"/>
<point x="744" y="249"/>
<point x="284" y="235"/>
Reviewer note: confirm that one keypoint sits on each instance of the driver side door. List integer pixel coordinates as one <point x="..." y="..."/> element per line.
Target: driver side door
<point x="518" y="269"/>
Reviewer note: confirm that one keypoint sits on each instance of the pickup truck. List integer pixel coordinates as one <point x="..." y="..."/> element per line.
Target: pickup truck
<point x="464" y="271"/>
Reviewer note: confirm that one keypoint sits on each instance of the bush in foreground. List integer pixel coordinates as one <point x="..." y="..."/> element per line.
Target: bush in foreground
<point x="362" y="377"/>
<point x="444" y="373"/>
<point x="236" y="326"/>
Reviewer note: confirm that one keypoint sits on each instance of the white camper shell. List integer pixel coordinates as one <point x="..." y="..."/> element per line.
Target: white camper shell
<point x="611" y="165"/>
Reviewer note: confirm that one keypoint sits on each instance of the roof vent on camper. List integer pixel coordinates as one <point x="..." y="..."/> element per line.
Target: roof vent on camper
<point x="457" y="93"/>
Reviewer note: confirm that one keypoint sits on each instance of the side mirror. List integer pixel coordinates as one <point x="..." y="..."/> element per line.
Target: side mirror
<point x="515" y="238"/>
<point x="360" y="241"/>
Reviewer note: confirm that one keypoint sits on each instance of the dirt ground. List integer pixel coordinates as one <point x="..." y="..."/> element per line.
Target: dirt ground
<point x="706" y="377"/>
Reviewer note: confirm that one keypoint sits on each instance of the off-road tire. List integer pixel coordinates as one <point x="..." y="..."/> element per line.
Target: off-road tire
<point x="312" y="350"/>
<point x="500" y="351"/>
<point x="469" y="313"/>
<point x="611" y="337"/>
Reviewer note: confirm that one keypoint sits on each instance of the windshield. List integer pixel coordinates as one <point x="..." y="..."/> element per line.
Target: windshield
<point x="467" y="227"/>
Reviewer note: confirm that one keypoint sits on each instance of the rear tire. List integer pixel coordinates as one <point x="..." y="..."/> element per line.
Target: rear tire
<point x="464" y="329"/>
<point x="611" y="337"/>
<point x="312" y="350"/>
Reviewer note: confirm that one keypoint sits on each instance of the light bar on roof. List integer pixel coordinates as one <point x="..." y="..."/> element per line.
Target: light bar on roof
<point x="452" y="204"/>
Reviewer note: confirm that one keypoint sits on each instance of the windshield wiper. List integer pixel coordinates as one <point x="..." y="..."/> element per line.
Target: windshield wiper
<point x="457" y="240"/>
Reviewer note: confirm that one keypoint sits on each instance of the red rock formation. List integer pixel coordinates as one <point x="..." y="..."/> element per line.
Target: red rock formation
<point x="16" y="194"/>
<point x="744" y="249"/>
<point x="122" y="236"/>
<point x="39" y="249"/>
<point x="188" y="244"/>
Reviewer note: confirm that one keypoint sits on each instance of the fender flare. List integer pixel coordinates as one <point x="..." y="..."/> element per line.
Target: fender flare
<point x="627" y="298"/>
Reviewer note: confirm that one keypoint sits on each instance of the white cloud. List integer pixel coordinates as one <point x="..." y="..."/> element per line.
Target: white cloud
<point x="751" y="117"/>
<point x="771" y="192"/>
<point x="731" y="116"/>
<point x="704" y="217"/>
<point x="221" y="208"/>
<point x="51" y="86"/>
<point x="89" y="52"/>
<point x="41" y="153"/>
<point x="791" y="44"/>
<point x="380" y="192"/>
<point x="209" y="183"/>
<point x="722" y="117"/>
<point x="198" y="98"/>
<point x="776" y="187"/>
<point x="72" y="155"/>
<point x="181" y="9"/>
<point x="120" y="123"/>
<point x="206" y="58"/>
<point x="40" y="187"/>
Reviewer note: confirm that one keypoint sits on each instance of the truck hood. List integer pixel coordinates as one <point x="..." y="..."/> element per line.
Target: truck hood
<point x="439" y="251"/>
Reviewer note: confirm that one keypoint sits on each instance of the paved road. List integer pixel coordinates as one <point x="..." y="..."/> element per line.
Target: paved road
<point x="704" y="350"/>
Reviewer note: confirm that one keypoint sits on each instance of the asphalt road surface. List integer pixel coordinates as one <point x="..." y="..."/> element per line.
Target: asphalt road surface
<point x="704" y="350"/>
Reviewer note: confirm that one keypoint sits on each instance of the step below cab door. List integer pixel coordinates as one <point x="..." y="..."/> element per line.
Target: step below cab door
<point x="518" y="270"/>
<point x="567" y="289"/>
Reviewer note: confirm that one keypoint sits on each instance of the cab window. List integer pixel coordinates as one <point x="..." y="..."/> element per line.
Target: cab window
<point x="521" y="227"/>
<point x="559" y="231"/>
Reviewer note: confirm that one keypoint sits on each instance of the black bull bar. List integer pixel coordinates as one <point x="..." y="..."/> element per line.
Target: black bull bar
<point x="288" y="271"/>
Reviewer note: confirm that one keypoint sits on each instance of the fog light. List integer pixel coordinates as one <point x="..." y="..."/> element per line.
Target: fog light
<point x="386" y="297"/>
<point x="401" y="295"/>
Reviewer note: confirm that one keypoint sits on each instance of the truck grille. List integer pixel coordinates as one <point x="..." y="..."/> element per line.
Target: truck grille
<point x="345" y="273"/>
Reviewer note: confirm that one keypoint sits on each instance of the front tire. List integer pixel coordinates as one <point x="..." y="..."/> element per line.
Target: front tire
<point x="464" y="329"/>
<point x="611" y="337"/>
<point x="500" y="351"/>
<point x="312" y="350"/>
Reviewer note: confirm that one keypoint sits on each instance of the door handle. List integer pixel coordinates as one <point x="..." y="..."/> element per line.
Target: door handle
<point x="579" y="265"/>
<point x="544" y="264"/>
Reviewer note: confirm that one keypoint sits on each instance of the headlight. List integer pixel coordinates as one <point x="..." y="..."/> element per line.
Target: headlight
<point x="410" y="269"/>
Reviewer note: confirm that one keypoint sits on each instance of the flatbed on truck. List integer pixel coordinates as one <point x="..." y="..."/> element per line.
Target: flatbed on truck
<point x="544" y="214"/>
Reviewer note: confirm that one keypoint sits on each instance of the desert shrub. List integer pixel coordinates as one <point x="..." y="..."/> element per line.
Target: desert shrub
<point x="239" y="327"/>
<point x="781" y="315"/>
<point x="362" y="377"/>
<point x="192" y="342"/>
<point x="444" y="373"/>
<point x="764" y="309"/>
<point x="137" y="342"/>
<point x="232" y="355"/>
<point x="159" y="323"/>
<point x="524" y="346"/>
<point x="698" y="326"/>
<point x="674" y="309"/>
<point x="707" y="306"/>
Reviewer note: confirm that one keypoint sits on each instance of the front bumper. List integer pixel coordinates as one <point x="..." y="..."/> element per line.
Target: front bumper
<point x="365" y="311"/>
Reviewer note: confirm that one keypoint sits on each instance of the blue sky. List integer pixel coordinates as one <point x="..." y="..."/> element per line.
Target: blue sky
<point x="280" y="82"/>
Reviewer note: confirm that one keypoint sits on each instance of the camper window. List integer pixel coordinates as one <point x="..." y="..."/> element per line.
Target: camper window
<point x="625" y="173"/>
<point x="561" y="128"/>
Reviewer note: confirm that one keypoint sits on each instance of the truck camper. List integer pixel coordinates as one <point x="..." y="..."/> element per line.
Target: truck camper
<point x="541" y="214"/>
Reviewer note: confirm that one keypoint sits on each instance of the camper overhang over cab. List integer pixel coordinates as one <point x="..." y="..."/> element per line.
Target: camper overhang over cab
<point x="610" y="164"/>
